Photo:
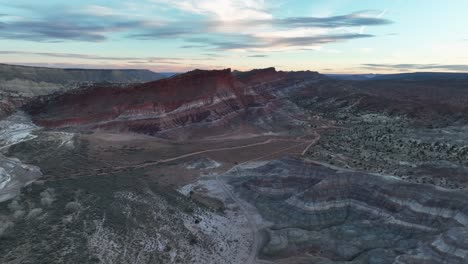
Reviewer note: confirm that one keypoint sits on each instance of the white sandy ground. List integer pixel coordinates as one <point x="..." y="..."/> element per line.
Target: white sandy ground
<point x="236" y="231"/>
<point x="203" y="164"/>
<point x="66" y="139"/>
<point x="228" y="233"/>
<point x="14" y="174"/>
<point x="16" y="128"/>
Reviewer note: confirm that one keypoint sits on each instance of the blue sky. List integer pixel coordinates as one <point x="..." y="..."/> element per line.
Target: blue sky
<point x="339" y="36"/>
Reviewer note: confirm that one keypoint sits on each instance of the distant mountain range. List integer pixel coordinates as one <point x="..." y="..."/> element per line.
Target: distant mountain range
<point x="416" y="76"/>
<point x="18" y="84"/>
<point x="169" y="74"/>
<point x="32" y="81"/>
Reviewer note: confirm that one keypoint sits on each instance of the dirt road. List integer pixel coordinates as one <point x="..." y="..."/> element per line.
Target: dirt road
<point x="250" y="220"/>
<point x="147" y="164"/>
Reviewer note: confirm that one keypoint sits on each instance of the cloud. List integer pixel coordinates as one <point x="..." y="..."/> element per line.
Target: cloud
<point x="50" y="32"/>
<point x="157" y="67"/>
<point x="257" y="56"/>
<point x="302" y="25"/>
<point x="71" y="55"/>
<point x="417" y="67"/>
<point x="129" y="60"/>
<point x="163" y="32"/>
<point x="58" y="24"/>
<point x="253" y="43"/>
<point x="193" y="46"/>
<point x="223" y="25"/>
<point x="279" y="34"/>
<point x="350" y="20"/>
<point x="224" y="10"/>
<point x="213" y="55"/>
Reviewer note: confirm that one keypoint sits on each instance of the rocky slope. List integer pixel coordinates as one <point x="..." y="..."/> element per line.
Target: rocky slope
<point x="338" y="216"/>
<point x="206" y="98"/>
<point x="432" y="102"/>
<point x="9" y="102"/>
<point x="14" y="174"/>
<point x="410" y="129"/>
<point x="33" y="81"/>
<point x="19" y="84"/>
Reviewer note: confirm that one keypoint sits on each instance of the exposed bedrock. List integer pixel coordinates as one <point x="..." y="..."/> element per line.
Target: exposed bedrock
<point x="9" y="103"/>
<point x="21" y="84"/>
<point x="33" y="81"/>
<point x="352" y="216"/>
<point x="198" y="97"/>
<point x="14" y="175"/>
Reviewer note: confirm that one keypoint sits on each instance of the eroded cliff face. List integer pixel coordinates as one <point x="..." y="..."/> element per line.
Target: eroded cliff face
<point x="259" y="76"/>
<point x="340" y="215"/>
<point x="32" y="81"/>
<point x="9" y="103"/>
<point x="21" y="84"/>
<point x="208" y="98"/>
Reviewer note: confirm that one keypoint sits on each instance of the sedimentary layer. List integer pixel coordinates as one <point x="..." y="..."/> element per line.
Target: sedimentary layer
<point x="352" y="216"/>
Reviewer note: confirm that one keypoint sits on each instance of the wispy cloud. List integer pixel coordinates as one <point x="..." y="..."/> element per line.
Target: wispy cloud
<point x="80" y="56"/>
<point x="154" y="67"/>
<point x="131" y="60"/>
<point x="265" y="34"/>
<point x="224" y="10"/>
<point x="417" y="67"/>
<point x="213" y="55"/>
<point x="349" y="20"/>
<point x="59" y="24"/>
<point x="216" y="26"/>
<point x="379" y="16"/>
<point x="254" y="43"/>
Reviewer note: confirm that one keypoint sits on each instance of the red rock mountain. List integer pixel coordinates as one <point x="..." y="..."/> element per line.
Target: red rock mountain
<point x="259" y="76"/>
<point x="209" y="97"/>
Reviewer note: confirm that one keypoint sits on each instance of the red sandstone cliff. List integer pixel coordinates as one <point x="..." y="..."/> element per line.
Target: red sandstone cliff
<point x="194" y="97"/>
<point x="197" y="97"/>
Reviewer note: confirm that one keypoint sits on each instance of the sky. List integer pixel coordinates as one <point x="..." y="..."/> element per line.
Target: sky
<point x="329" y="36"/>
